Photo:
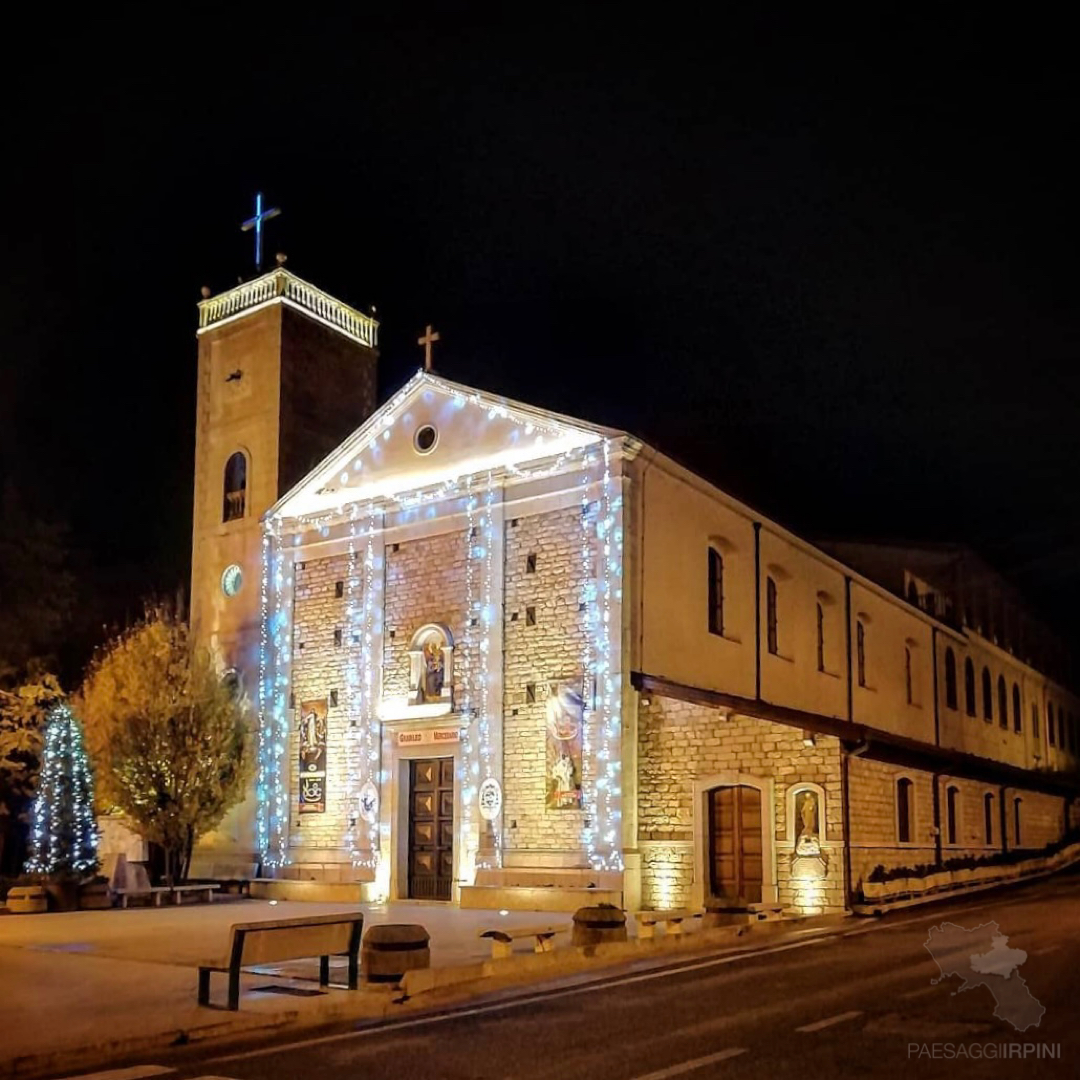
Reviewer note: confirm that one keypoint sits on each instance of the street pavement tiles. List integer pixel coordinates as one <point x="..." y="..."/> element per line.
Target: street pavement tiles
<point x="981" y="956"/>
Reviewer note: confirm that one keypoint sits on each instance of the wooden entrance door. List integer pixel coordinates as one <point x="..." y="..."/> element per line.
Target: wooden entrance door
<point x="431" y="829"/>
<point x="736" y="860"/>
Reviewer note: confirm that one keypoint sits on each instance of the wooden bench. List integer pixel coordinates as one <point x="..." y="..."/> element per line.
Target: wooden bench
<point x="503" y="938"/>
<point x="275" y="940"/>
<point x="672" y="920"/>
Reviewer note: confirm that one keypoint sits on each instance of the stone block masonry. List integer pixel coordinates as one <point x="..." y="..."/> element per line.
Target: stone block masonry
<point x="682" y="744"/>
<point x="539" y="654"/>
<point x="425" y="583"/>
<point x="319" y="668"/>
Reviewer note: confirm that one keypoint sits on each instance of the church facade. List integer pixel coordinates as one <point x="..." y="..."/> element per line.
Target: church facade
<point x="508" y="658"/>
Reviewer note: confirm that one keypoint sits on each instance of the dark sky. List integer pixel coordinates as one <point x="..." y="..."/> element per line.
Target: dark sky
<point x="835" y="274"/>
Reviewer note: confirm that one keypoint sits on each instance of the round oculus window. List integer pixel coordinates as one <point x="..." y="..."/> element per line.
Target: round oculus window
<point x="425" y="439"/>
<point x="231" y="580"/>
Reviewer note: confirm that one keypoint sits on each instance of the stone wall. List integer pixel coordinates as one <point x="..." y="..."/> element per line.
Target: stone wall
<point x="425" y="583"/>
<point x="1042" y="818"/>
<point x="540" y="655"/>
<point x="319" y="668"/>
<point x="680" y="743"/>
<point x="872" y="792"/>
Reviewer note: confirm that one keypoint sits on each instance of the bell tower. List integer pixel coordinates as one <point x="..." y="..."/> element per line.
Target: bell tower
<point x="286" y="372"/>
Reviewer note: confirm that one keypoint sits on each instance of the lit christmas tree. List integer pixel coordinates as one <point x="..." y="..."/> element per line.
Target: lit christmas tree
<point x="63" y="833"/>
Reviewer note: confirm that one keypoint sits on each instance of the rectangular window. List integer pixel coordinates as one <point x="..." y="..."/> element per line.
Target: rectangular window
<point x="860" y="651"/>
<point x="820" y="638"/>
<point x="339" y="589"/>
<point x="1016" y="822"/>
<point x="771" y="628"/>
<point x="950" y="809"/>
<point x="716" y="592"/>
<point x="988" y="816"/>
<point x="903" y="810"/>
<point x="907" y="673"/>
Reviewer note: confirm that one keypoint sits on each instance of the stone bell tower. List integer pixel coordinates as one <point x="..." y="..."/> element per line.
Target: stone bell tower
<point x="286" y="372"/>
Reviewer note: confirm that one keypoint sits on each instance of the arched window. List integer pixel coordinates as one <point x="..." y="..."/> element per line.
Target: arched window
<point x="771" y="627"/>
<point x="1050" y="724"/>
<point x="951" y="796"/>
<point x="969" y="686"/>
<point x="1018" y="721"/>
<point x="860" y="650"/>
<point x="1016" y="821"/>
<point x="235" y="487"/>
<point x="1003" y="703"/>
<point x="820" y="638"/>
<point x="1035" y="720"/>
<point x="716" y="592"/>
<point x="988" y="817"/>
<point x="904" y="808"/>
<point x="950" y="678"/>
<point x="988" y="696"/>
<point x="907" y="672"/>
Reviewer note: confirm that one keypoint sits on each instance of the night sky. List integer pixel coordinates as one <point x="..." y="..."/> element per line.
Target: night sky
<point x="835" y="275"/>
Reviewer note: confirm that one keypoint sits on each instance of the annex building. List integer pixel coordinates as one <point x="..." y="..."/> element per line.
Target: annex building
<point x="507" y="658"/>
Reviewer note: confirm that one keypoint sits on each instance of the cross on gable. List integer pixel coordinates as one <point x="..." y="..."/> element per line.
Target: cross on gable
<point x="427" y="339"/>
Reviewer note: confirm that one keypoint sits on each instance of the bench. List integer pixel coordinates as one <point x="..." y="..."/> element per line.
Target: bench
<point x="208" y="887"/>
<point x="503" y="938"/>
<point x="136" y="883"/>
<point x="672" y="920"/>
<point x="275" y="940"/>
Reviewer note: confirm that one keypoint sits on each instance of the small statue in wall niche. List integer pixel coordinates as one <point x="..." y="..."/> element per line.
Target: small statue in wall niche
<point x="434" y="670"/>
<point x="808" y="840"/>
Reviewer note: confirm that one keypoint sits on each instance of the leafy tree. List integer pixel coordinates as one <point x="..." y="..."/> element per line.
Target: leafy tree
<point x="22" y="723"/>
<point x="63" y="833"/>
<point x="171" y="739"/>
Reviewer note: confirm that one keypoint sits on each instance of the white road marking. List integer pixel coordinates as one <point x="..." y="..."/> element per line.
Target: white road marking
<point x="514" y="1003"/>
<point x="817" y="1025"/>
<point x="695" y="1063"/>
<point x="136" y="1072"/>
<point x="584" y="988"/>
<point x="918" y="993"/>
<point x="1048" y="949"/>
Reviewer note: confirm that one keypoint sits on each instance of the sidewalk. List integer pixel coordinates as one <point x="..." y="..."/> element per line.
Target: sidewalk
<point x="86" y="988"/>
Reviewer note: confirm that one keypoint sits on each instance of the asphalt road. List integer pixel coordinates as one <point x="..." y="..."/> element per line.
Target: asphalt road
<point x="851" y="1005"/>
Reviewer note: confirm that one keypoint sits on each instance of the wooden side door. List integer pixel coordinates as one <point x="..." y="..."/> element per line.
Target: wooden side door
<point x="736" y="855"/>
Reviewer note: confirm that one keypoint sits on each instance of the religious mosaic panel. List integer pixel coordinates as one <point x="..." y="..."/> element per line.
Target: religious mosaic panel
<point x="313" y="757"/>
<point x="565" y="716"/>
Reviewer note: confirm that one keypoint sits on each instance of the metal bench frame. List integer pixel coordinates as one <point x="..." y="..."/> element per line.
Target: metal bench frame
<point x="236" y="959"/>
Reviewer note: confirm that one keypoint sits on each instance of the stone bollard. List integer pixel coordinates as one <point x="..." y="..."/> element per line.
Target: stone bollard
<point x="599" y="925"/>
<point x="391" y="949"/>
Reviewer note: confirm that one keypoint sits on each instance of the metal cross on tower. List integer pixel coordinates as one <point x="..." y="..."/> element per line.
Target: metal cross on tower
<point x="428" y="339"/>
<point x="256" y="223"/>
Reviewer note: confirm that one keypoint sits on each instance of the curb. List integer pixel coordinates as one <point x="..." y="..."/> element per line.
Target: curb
<point x="460" y="983"/>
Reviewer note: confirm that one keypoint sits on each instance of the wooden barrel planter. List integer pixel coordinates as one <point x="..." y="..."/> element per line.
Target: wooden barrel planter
<point x="389" y="950"/>
<point x="27" y="899"/>
<point x="599" y="925"/>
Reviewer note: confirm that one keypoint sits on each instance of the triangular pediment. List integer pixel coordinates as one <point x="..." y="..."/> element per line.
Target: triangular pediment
<point x="432" y="432"/>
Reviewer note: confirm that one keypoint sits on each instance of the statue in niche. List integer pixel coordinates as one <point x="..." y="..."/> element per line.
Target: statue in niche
<point x="431" y="666"/>
<point x="808" y="839"/>
<point x="434" y="670"/>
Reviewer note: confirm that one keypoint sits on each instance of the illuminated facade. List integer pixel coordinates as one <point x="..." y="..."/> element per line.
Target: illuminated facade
<point x="507" y="658"/>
